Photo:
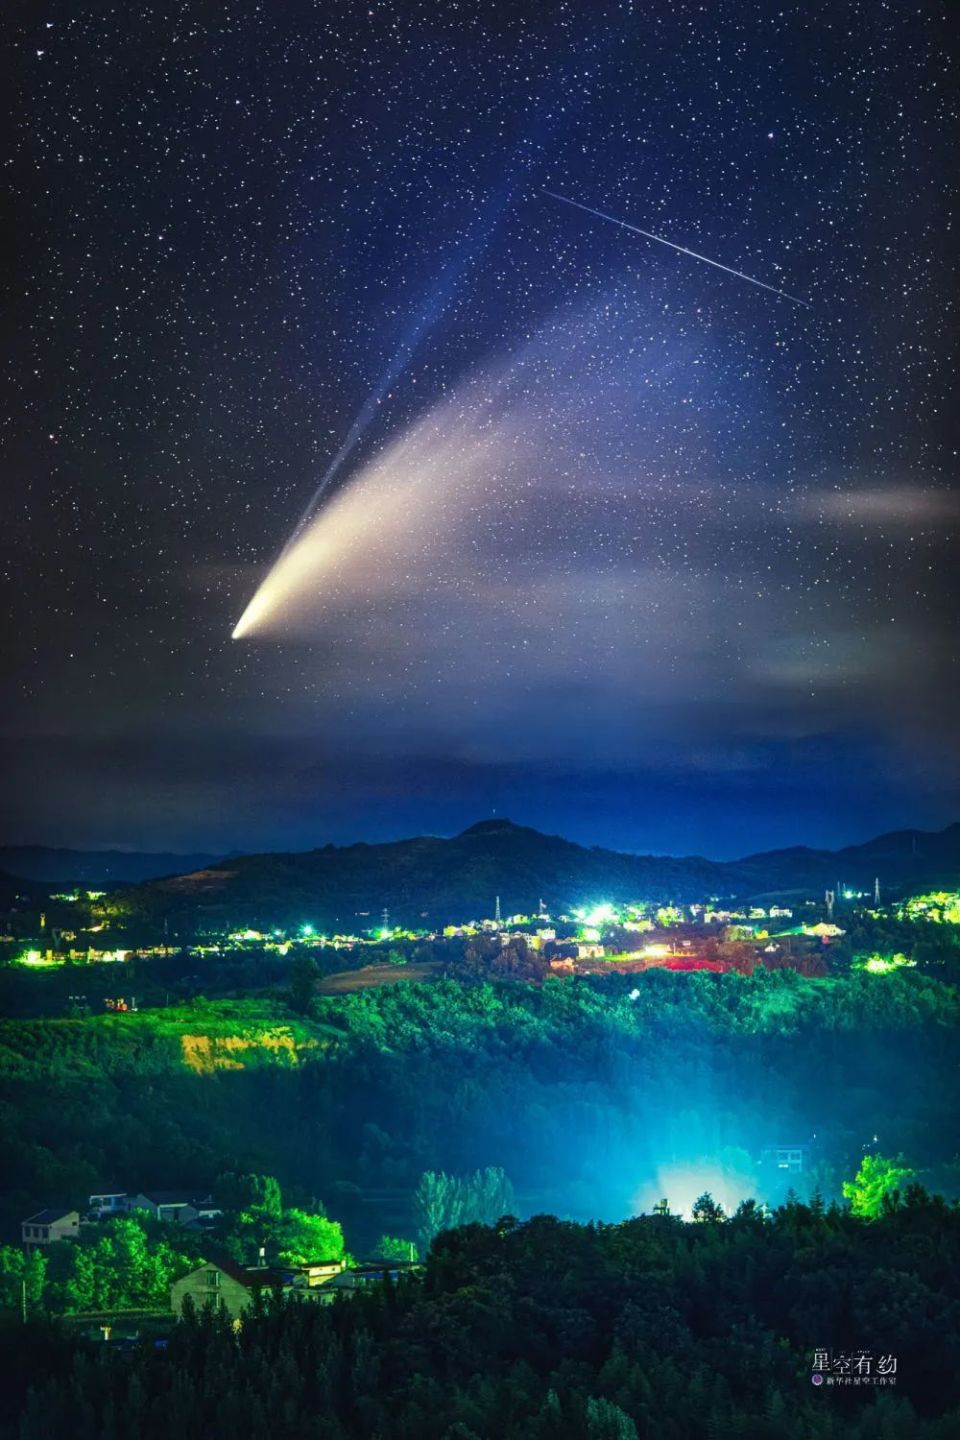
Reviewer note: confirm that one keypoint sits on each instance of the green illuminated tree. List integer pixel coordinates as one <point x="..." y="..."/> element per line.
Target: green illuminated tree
<point x="22" y="1278"/>
<point x="301" y="1238"/>
<point x="877" y="1182"/>
<point x="258" y="1220"/>
<point x="391" y="1247"/>
<point x="122" y="1264"/>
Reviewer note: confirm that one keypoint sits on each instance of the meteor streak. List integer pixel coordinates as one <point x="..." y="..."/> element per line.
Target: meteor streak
<point x="681" y="248"/>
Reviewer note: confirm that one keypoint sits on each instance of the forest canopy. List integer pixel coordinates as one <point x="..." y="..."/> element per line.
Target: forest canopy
<point x="547" y="1330"/>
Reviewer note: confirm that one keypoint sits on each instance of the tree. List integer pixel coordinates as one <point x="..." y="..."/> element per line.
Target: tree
<point x="437" y="1205"/>
<point x="705" y="1208"/>
<point x="119" y="1265"/>
<point x="301" y="1238"/>
<point x="303" y="977"/>
<point x="606" y="1421"/>
<point x="442" y="1201"/>
<point x="877" y="1185"/>
<point x="250" y="1192"/>
<point x="258" y="1220"/>
<point x="749" y="1212"/>
<point x="390" y="1247"/>
<point x="487" y="1195"/>
<point x="22" y="1278"/>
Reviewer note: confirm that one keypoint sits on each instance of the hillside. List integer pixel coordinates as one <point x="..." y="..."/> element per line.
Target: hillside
<point x="427" y="879"/>
<point x="437" y="881"/>
<point x="583" y="1091"/>
<point x="99" y="868"/>
<point x="15" y="891"/>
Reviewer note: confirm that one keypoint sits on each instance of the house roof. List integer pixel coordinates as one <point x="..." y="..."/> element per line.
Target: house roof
<point x="253" y="1278"/>
<point x="50" y="1217"/>
<point x="346" y="1280"/>
<point x="375" y="1268"/>
<point x="172" y="1197"/>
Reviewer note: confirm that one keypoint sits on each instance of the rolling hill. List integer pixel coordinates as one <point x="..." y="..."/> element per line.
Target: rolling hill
<point x="98" y="868"/>
<point x="438" y="881"/>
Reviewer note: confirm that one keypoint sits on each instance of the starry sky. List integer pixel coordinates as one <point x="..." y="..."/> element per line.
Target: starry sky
<point x="547" y="520"/>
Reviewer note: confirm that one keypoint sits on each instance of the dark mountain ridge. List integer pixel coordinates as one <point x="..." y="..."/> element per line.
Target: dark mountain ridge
<point x="99" y="869"/>
<point x="440" y="881"/>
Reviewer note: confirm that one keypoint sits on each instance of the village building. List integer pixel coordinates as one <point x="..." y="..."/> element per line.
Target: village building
<point x="107" y="1204"/>
<point x="221" y="1285"/>
<point x="310" y="1275"/>
<point x="49" y="1226"/>
<point x="177" y="1207"/>
<point x="793" y="1158"/>
<point x="230" y="1287"/>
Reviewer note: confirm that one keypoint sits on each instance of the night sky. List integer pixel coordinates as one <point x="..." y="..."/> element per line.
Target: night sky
<point x="620" y="545"/>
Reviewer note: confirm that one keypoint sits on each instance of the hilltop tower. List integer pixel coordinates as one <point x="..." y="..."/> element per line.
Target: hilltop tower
<point x="830" y="896"/>
<point x="876" y="891"/>
<point x="496" y="912"/>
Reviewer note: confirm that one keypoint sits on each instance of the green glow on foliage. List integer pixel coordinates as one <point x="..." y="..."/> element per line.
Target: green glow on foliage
<point x="877" y="1178"/>
<point x="941" y="907"/>
<point x="669" y="915"/>
<point x="884" y="964"/>
<point x="594" y="915"/>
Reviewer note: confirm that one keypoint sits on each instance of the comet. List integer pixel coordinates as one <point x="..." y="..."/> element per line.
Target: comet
<point x="434" y="307"/>
<point x="681" y="249"/>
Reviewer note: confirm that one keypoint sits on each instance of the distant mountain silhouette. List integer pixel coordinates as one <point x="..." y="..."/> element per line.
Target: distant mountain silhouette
<point x="99" y="869"/>
<point x="13" y="889"/>
<point x="446" y="880"/>
<point x="899" y="858"/>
